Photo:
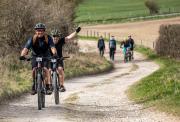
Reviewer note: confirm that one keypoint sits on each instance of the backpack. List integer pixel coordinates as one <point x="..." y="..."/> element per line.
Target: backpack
<point x="112" y="44"/>
<point x="34" y="38"/>
<point x="101" y="43"/>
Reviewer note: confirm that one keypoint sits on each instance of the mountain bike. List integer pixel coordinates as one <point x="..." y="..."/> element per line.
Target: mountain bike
<point x="39" y="81"/>
<point x="55" y="77"/>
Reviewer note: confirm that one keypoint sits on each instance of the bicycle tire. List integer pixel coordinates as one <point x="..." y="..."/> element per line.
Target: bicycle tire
<point x="39" y="93"/>
<point x="43" y="100"/>
<point x="55" y="87"/>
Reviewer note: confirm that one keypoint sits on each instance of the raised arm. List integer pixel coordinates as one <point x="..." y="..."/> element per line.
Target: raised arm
<point x="72" y="35"/>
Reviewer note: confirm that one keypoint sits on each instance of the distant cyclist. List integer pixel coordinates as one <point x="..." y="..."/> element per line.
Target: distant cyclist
<point x="112" y="47"/>
<point x="101" y="46"/>
<point x="131" y="41"/>
<point x="125" y="45"/>
<point x="59" y="43"/>
<point x="40" y="44"/>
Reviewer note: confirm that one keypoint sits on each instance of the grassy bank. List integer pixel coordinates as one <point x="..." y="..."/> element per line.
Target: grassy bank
<point x="162" y="88"/>
<point x="106" y="11"/>
<point x="86" y="64"/>
<point x="16" y="76"/>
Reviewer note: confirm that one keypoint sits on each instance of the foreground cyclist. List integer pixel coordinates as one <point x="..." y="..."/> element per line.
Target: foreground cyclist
<point x="59" y="42"/>
<point x="40" y="44"/>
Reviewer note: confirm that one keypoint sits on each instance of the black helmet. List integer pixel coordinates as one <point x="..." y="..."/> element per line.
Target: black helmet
<point x="55" y="32"/>
<point x="40" y="26"/>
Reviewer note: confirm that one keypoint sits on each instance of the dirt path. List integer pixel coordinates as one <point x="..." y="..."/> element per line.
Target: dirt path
<point x="96" y="98"/>
<point x="145" y="32"/>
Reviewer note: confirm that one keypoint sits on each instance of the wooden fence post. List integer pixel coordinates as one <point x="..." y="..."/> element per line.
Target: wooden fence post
<point x="87" y="33"/>
<point x="153" y="45"/>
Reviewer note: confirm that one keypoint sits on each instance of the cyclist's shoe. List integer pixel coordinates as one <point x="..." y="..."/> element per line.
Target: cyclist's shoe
<point x="48" y="89"/>
<point x="33" y="92"/>
<point x="62" y="88"/>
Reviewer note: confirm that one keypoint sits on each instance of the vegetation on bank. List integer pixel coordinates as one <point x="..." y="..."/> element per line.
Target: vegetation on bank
<point x="87" y="64"/>
<point x="162" y="88"/>
<point x="16" y="75"/>
<point x="106" y="11"/>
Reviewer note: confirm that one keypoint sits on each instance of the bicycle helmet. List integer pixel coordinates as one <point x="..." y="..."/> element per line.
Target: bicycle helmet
<point x="40" y="26"/>
<point x="55" y="32"/>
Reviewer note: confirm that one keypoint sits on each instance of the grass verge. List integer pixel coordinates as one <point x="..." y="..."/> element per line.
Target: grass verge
<point x="162" y="88"/>
<point x="16" y="76"/>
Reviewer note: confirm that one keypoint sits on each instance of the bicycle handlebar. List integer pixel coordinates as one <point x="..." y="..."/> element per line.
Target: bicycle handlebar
<point x="48" y="58"/>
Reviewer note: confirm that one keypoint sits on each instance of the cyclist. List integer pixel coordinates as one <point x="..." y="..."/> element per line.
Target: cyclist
<point x="59" y="42"/>
<point x="125" y="45"/>
<point x="131" y="41"/>
<point x="112" y="47"/>
<point x="40" y="44"/>
<point x="101" y="46"/>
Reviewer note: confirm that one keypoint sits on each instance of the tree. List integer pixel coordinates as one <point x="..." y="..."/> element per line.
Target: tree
<point x="153" y="6"/>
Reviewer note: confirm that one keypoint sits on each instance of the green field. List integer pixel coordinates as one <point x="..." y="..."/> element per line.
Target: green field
<point x="91" y="11"/>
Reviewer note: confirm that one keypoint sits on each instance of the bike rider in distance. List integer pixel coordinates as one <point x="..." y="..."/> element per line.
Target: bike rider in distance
<point x="101" y="46"/>
<point x="40" y="44"/>
<point x="59" y="42"/>
<point x="131" y="41"/>
<point x="112" y="48"/>
<point x="125" y="45"/>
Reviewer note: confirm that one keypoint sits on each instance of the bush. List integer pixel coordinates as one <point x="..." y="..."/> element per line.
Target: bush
<point x="168" y="41"/>
<point x="152" y="6"/>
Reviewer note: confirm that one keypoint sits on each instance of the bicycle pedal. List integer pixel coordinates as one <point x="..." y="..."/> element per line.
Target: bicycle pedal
<point x="43" y="91"/>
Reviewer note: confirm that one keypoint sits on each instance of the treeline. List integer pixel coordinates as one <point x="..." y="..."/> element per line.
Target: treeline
<point x="19" y="17"/>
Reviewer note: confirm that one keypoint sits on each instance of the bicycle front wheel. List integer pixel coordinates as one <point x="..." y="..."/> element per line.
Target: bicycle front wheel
<point x="55" y="87"/>
<point x="39" y="93"/>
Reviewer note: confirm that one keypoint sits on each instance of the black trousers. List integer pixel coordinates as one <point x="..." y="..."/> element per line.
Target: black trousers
<point x="111" y="53"/>
<point x="101" y="51"/>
